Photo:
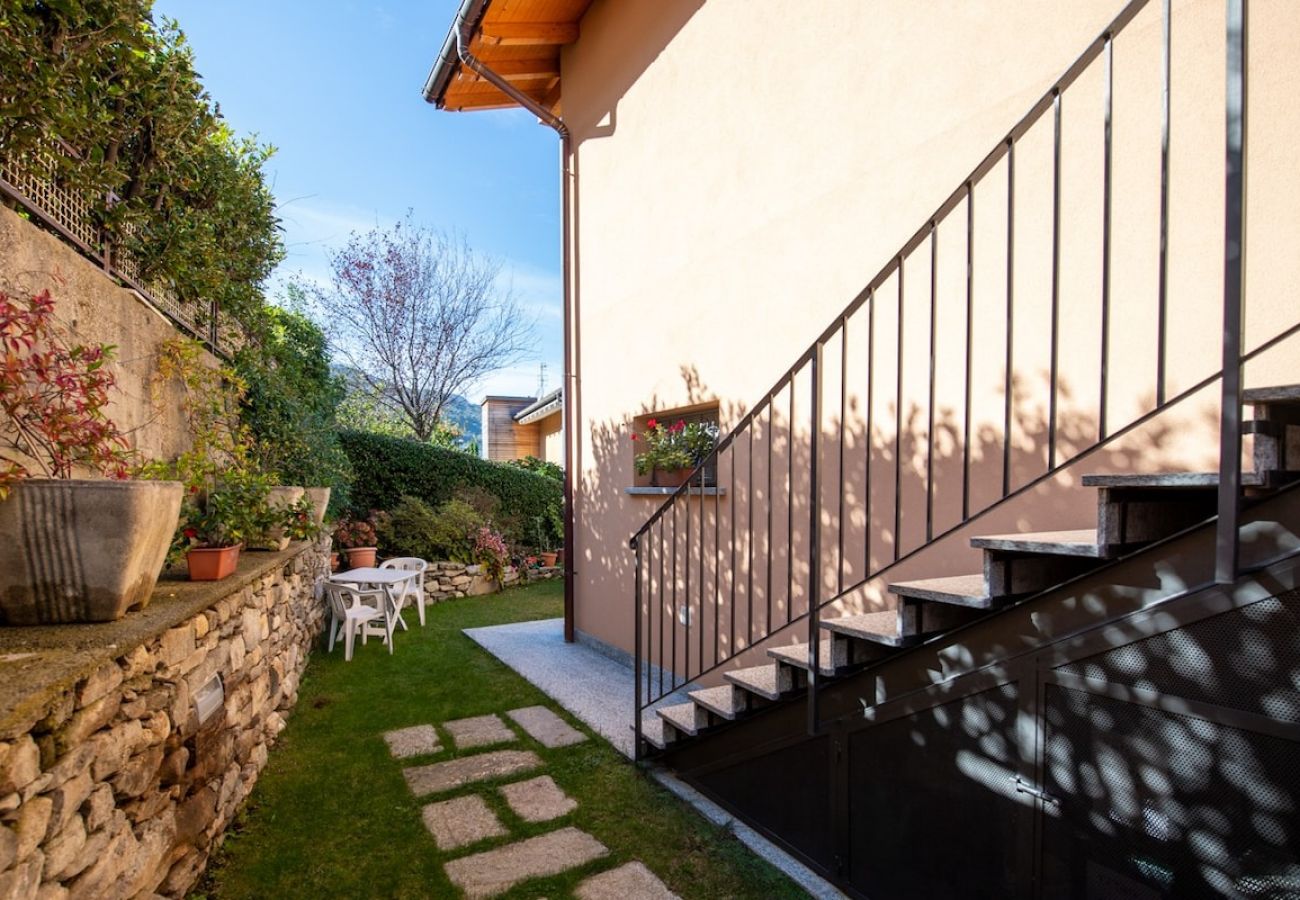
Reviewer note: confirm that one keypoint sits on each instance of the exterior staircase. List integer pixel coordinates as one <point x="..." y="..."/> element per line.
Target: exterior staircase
<point x="1133" y="511"/>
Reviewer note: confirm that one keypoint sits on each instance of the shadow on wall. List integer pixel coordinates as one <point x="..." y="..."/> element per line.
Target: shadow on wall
<point x="725" y="571"/>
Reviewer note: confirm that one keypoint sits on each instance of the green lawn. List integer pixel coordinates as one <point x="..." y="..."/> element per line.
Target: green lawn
<point x="332" y="816"/>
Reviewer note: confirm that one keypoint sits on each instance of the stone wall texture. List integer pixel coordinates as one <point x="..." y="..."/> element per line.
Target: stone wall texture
<point x="92" y="308"/>
<point x="116" y="790"/>
<point x="447" y="580"/>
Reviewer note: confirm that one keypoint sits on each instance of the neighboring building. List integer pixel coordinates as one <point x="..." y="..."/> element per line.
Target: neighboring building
<point x="930" y="264"/>
<point x="516" y="427"/>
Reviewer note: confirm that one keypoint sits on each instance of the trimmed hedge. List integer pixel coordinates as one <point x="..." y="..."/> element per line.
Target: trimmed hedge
<point x="385" y="469"/>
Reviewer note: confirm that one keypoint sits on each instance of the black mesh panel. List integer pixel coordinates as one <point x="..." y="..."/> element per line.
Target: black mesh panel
<point x="932" y="808"/>
<point x="1154" y="804"/>
<point x="1247" y="659"/>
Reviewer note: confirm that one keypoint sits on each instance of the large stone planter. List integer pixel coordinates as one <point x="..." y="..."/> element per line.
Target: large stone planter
<point x="282" y="497"/>
<point x="320" y="501"/>
<point x="83" y="551"/>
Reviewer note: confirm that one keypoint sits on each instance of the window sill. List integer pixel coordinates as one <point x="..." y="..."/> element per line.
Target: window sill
<point x="669" y="491"/>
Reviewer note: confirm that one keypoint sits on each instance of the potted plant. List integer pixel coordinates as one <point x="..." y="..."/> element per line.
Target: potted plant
<point x="76" y="550"/>
<point x="281" y="500"/>
<point x="320" y="500"/>
<point x="215" y="524"/>
<point x="357" y="538"/>
<point x="544" y="542"/>
<point x="672" y="452"/>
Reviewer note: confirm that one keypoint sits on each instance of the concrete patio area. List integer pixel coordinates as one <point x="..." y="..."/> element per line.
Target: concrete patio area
<point x="598" y="690"/>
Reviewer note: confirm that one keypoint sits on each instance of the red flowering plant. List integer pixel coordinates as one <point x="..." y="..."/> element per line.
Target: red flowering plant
<point x="669" y="448"/>
<point x="491" y="553"/>
<point x="53" y="399"/>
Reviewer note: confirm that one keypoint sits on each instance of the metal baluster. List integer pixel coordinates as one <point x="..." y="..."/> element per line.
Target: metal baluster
<point x="672" y="681"/>
<point x="663" y="596"/>
<point x="970" y="309"/>
<point x="814" y="537"/>
<point x="789" y="497"/>
<point x="898" y="425"/>
<point x="1162" y="291"/>
<point x="934" y="336"/>
<point x="1056" y="279"/>
<point x="699" y="628"/>
<point x="636" y="547"/>
<point x="731" y="520"/>
<point x="771" y="435"/>
<point x="717" y="551"/>
<point x="1107" y="163"/>
<point x="1228" y="546"/>
<point x="749" y="542"/>
<point x="868" y="440"/>
<point x="686" y="495"/>
<point x="1011" y="310"/>
<point x="844" y="390"/>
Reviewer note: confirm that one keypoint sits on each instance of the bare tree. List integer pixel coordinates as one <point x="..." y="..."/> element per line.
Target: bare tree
<point x="420" y="317"/>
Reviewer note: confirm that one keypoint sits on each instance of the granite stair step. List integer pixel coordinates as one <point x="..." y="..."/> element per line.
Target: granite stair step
<point x="687" y="718"/>
<point x="771" y="682"/>
<point x="654" y="732"/>
<point x="959" y="590"/>
<point x="1081" y="542"/>
<point x="1172" y="480"/>
<point x="725" y="700"/>
<point x="1280" y="393"/>
<point x="876" y="627"/>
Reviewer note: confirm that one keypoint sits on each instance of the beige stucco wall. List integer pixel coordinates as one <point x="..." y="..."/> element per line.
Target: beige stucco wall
<point x="743" y="169"/>
<point x="91" y="308"/>
<point x="551" y="437"/>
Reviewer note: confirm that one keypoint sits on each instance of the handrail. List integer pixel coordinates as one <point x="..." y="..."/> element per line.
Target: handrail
<point x="659" y="540"/>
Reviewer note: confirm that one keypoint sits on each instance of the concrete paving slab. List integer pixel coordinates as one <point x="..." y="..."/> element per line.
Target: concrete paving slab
<point x="461" y="822"/>
<point x="546" y="727"/>
<point x="418" y="740"/>
<point x="632" y="881"/>
<point x="496" y="871"/>
<point x="453" y="773"/>
<point x="479" y="731"/>
<point x="538" y="799"/>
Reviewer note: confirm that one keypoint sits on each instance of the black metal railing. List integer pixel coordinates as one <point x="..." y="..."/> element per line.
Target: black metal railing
<point x="707" y="591"/>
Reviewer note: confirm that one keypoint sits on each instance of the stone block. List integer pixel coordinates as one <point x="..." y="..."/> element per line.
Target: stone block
<point x="62" y="852"/>
<point x="176" y="645"/>
<point x="23" y="880"/>
<point x="139" y="774"/>
<point x="114" y="747"/>
<point x="20" y="764"/>
<point x="98" y="808"/>
<point x="496" y="871"/>
<point x="173" y="765"/>
<point x="461" y="822"/>
<point x="417" y="740"/>
<point x="546" y="727"/>
<point x="68" y="798"/>
<point x="62" y="710"/>
<point x="453" y="773"/>
<point x="478" y="731"/>
<point x="87" y="721"/>
<point x="538" y="799"/>
<point x="104" y="679"/>
<point x="8" y="848"/>
<point x="631" y="880"/>
<point x="195" y="815"/>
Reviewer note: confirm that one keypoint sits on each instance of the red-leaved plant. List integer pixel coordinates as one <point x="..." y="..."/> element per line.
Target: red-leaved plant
<point x="52" y="399"/>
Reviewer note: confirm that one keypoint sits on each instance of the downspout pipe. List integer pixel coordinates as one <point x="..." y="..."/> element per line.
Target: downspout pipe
<point x="463" y="29"/>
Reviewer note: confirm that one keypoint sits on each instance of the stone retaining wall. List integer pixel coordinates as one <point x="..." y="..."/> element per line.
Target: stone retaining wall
<point x="109" y="787"/>
<point x="445" y="580"/>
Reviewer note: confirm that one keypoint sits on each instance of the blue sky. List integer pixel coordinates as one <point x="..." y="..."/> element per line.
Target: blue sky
<point x="335" y="87"/>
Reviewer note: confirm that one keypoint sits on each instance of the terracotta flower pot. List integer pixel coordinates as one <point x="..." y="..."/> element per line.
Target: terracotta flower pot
<point x="83" y="550"/>
<point x="334" y="562"/>
<point x="361" y="557"/>
<point x="670" y="478"/>
<point x="548" y="559"/>
<point x="320" y="501"/>
<point x="212" y="563"/>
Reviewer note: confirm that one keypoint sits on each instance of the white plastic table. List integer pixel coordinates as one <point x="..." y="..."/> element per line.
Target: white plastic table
<point x="388" y="579"/>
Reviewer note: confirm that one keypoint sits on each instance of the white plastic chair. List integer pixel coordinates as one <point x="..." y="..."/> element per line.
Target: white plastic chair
<point x="412" y="588"/>
<point x="350" y="614"/>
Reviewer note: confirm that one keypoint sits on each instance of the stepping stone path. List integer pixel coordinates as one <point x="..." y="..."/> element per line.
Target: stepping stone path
<point x="463" y="821"/>
<point x="466" y="820"/>
<point x="443" y="776"/>
<point x="479" y="731"/>
<point x="538" y="799"/>
<point x="495" y="871"/>
<point x="416" y="741"/>
<point x="632" y="881"/>
<point x="546" y="727"/>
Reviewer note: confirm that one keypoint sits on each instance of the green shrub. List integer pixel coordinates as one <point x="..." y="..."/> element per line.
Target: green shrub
<point x="414" y="528"/>
<point x="386" y="469"/>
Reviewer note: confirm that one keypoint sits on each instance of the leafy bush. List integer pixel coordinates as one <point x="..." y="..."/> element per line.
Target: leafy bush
<point x="387" y="469"/>
<point x="290" y="402"/>
<point x="409" y="529"/>
<point x="540" y="466"/>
